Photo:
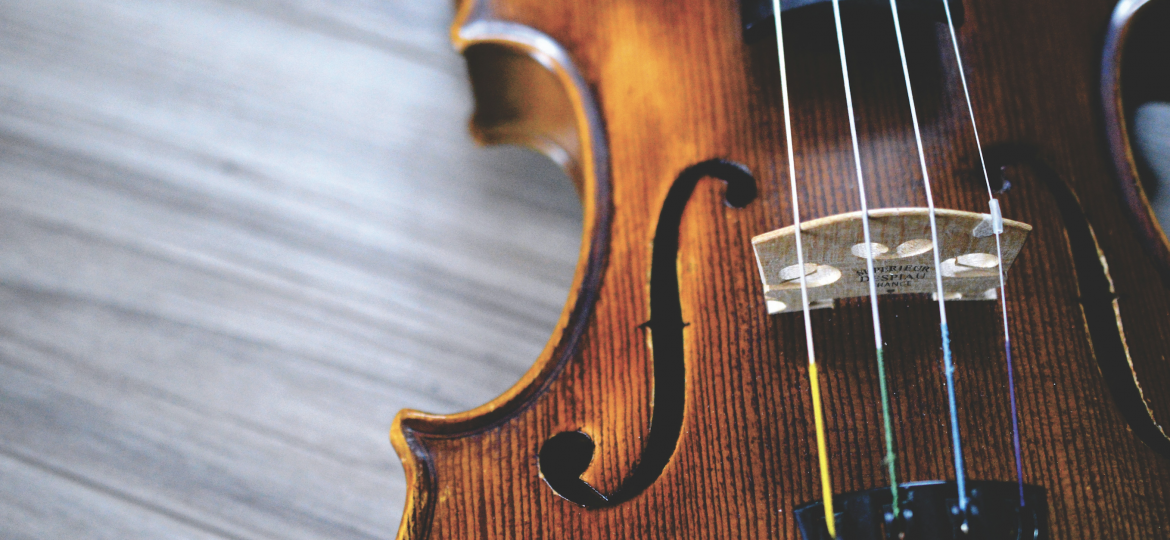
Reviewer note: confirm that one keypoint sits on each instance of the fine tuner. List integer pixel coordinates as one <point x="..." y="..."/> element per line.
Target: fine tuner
<point x="742" y="167"/>
<point x="933" y="247"/>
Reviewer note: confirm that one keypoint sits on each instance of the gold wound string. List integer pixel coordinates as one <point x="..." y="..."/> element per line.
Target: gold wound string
<point x="948" y="365"/>
<point x="869" y="255"/>
<point x="997" y="227"/>
<point x="814" y="382"/>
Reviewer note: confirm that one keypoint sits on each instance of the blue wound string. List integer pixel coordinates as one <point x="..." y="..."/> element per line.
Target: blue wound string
<point x="955" y="441"/>
<point x="957" y="446"/>
<point x="998" y="229"/>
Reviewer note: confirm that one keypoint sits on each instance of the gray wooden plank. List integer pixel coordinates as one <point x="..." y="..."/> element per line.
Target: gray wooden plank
<point x="230" y="297"/>
<point x="144" y="447"/>
<point x="235" y="238"/>
<point x="39" y="503"/>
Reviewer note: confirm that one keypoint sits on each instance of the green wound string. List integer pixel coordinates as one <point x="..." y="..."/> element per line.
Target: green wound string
<point x="889" y="430"/>
<point x="887" y="424"/>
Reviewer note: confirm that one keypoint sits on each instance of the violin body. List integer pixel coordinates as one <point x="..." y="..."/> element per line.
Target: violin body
<point x="678" y="407"/>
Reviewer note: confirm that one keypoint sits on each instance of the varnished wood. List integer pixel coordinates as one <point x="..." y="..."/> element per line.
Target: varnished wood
<point x="676" y="86"/>
<point x="1117" y="115"/>
<point x="235" y="239"/>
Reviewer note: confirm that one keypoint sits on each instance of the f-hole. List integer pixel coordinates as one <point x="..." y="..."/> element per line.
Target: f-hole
<point x="566" y="455"/>
<point x="1097" y="298"/>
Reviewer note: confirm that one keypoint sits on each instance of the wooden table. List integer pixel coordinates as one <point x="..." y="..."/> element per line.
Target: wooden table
<point x="236" y="237"/>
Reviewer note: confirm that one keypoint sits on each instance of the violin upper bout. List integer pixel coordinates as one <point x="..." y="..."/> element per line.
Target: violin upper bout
<point x="528" y="93"/>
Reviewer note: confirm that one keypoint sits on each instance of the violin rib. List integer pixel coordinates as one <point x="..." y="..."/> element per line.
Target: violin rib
<point x="510" y="65"/>
<point x="629" y="97"/>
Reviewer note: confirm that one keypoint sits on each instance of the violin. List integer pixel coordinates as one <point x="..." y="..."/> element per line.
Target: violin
<point x="856" y="269"/>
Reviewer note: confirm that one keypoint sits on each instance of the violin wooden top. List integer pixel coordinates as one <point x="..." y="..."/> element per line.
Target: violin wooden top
<point x="235" y="238"/>
<point x="632" y="96"/>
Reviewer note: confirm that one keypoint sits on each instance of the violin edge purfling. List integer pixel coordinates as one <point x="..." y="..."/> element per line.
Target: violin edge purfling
<point x="614" y="93"/>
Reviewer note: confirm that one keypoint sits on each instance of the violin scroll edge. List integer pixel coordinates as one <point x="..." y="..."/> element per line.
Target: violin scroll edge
<point x="1141" y="213"/>
<point x="1125" y="383"/>
<point x="585" y="158"/>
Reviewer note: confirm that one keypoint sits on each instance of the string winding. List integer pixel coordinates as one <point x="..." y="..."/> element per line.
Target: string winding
<point x="869" y="256"/>
<point x="814" y="382"/>
<point x="948" y="363"/>
<point x="997" y="218"/>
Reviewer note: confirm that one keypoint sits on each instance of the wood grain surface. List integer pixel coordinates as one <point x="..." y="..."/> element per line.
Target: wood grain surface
<point x="235" y="238"/>
<point x="682" y="100"/>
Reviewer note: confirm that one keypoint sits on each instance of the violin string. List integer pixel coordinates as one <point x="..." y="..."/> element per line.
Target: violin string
<point x="869" y="257"/>
<point x="948" y="364"/>
<point x="814" y="383"/>
<point x="998" y="229"/>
